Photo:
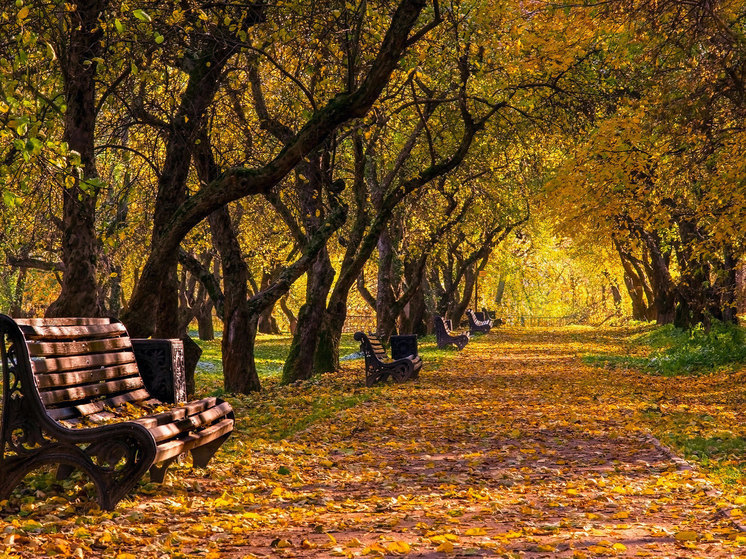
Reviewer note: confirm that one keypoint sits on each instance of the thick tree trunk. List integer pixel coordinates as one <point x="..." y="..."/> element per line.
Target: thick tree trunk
<point x="300" y="361"/>
<point x="239" y="325"/>
<point x="79" y="293"/>
<point x="459" y="307"/>
<point x="385" y="297"/>
<point x="330" y="335"/>
<point x="205" y="326"/>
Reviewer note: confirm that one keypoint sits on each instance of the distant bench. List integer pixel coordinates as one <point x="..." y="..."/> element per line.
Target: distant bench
<point x="476" y="325"/>
<point x="73" y="396"/>
<point x="444" y="337"/>
<point x="378" y="365"/>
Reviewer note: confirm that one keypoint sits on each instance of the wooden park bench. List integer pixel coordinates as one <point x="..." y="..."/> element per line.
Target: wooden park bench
<point x="488" y="315"/>
<point x="73" y="397"/>
<point x="445" y="337"/>
<point x="378" y="365"/>
<point x="476" y="325"/>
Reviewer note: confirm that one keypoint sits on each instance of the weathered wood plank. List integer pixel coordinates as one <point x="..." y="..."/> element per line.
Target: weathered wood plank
<point x="62" y="364"/>
<point x="67" y="321"/>
<point x="73" y="394"/>
<point x="175" y="447"/>
<point x="171" y="430"/>
<point x="73" y="332"/>
<point x="68" y="349"/>
<point x="68" y="412"/>
<point x="61" y="380"/>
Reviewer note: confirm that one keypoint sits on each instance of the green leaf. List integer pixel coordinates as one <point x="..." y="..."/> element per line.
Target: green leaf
<point x="141" y="15"/>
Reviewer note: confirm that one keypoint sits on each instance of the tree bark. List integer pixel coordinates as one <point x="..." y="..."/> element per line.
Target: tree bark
<point x="300" y="361"/>
<point x="239" y="182"/>
<point x="79" y="293"/>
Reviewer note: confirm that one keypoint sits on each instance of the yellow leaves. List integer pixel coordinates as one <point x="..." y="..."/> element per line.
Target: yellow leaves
<point x="686" y="536"/>
<point x="621" y="515"/>
<point x="445" y="547"/>
<point x="398" y="547"/>
<point x="476" y="532"/>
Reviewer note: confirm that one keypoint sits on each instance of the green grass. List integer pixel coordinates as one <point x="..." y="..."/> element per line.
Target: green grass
<point x="278" y="412"/>
<point x="674" y="351"/>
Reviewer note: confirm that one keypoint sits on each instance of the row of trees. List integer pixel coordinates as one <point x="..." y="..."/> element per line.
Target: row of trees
<point x="149" y="143"/>
<point x="660" y="170"/>
<point x="167" y="160"/>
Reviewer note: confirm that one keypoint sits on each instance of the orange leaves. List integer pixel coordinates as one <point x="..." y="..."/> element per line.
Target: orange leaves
<point x="513" y="447"/>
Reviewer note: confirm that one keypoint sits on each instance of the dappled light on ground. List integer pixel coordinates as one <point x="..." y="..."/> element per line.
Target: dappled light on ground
<point x="511" y="448"/>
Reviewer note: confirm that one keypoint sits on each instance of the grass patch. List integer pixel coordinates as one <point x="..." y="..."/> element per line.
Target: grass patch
<point x="674" y="351"/>
<point x="278" y="412"/>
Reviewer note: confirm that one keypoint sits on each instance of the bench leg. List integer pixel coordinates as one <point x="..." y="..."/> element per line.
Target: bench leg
<point x="64" y="471"/>
<point x="158" y="471"/>
<point x="202" y="454"/>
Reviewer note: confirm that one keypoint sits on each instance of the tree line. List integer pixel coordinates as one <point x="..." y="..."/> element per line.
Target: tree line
<point x="167" y="160"/>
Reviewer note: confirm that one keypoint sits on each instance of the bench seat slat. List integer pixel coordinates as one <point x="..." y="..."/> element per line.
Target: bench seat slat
<point x="197" y="421"/>
<point x="112" y="330"/>
<point x="91" y="390"/>
<point x="61" y="364"/>
<point x="67" y="321"/>
<point x="137" y="396"/>
<point x="177" y="413"/>
<point x="60" y="380"/>
<point x="68" y="349"/>
<point x="174" y="447"/>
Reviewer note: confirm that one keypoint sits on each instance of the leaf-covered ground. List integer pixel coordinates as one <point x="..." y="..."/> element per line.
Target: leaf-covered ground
<point x="512" y="448"/>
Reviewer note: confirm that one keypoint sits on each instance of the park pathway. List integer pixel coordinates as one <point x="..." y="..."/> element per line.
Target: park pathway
<point x="513" y="448"/>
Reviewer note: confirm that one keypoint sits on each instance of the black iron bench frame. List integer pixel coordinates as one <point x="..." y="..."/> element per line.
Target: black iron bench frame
<point x="71" y="388"/>
<point x="379" y="367"/>
<point x="444" y="336"/>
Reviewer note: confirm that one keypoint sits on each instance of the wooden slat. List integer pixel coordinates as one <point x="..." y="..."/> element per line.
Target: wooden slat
<point x="69" y="321"/>
<point x="91" y="390"/>
<point x="74" y="332"/>
<point x="175" y="447"/>
<point x="61" y="364"/>
<point x="59" y="380"/>
<point x="177" y="413"/>
<point x="48" y="349"/>
<point x="171" y="430"/>
<point x="138" y="396"/>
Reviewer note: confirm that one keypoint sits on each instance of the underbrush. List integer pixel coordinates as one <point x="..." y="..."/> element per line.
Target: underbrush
<point x="672" y="351"/>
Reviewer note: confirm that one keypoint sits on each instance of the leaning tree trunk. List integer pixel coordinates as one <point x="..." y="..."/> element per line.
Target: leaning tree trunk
<point x="267" y="322"/>
<point x="79" y="293"/>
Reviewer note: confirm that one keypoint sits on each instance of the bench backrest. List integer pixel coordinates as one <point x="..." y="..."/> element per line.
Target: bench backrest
<point x="371" y="346"/>
<point x="80" y="366"/>
<point x="440" y="326"/>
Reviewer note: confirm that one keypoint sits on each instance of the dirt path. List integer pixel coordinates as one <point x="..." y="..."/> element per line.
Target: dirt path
<point x="515" y="448"/>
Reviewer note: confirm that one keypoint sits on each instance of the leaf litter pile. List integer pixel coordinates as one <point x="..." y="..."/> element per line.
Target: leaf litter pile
<point x="511" y="448"/>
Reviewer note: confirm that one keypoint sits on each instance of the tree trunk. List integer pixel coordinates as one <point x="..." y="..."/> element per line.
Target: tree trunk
<point x="205" y="326"/>
<point x="292" y="319"/>
<point x="239" y="326"/>
<point x="267" y="322"/>
<point x="385" y="317"/>
<point x="79" y="293"/>
<point x="300" y="361"/>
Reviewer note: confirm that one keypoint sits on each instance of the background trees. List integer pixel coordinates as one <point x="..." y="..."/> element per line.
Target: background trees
<point x="163" y="160"/>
